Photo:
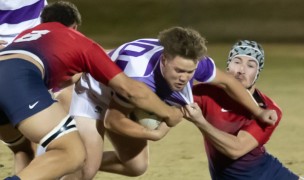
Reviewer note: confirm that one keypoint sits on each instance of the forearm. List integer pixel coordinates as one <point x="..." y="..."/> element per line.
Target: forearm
<point x="142" y="97"/>
<point x="237" y="92"/>
<point x="224" y="142"/>
<point x="127" y="127"/>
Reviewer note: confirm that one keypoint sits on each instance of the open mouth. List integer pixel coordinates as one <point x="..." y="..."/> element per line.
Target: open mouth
<point x="179" y="85"/>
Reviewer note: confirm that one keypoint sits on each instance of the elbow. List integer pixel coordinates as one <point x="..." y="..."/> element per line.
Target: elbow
<point x="108" y="124"/>
<point x="171" y="123"/>
<point x="234" y="154"/>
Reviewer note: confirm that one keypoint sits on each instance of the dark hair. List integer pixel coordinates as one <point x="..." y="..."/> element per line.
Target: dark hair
<point x="184" y="42"/>
<point x="63" y="12"/>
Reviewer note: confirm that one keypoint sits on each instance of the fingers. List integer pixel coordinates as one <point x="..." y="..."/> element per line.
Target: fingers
<point x="273" y="117"/>
<point x="192" y="110"/>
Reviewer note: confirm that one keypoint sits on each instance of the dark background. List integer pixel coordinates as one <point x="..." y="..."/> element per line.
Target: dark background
<point x="112" y="22"/>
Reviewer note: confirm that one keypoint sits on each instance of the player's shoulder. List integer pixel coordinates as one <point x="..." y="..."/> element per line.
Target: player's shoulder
<point x="270" y="103"/>
<point x="137" y="49"/>
<point x="147" y="40"/>
<point x="144" y="43"/>
<point x="201" y="89"/>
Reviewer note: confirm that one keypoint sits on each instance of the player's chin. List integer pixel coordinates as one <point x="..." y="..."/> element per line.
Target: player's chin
<point x="178" y="87"/>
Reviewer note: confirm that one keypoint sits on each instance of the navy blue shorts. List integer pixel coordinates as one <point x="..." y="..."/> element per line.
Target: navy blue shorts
<point x="23" y="92"/>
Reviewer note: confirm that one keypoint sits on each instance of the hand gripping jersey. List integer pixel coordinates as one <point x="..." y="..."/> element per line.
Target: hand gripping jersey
<point x="17" y="16"/>
<point x="140" y="60"/>
<point x="63" y="52"/>
<point x="227" y="115"/>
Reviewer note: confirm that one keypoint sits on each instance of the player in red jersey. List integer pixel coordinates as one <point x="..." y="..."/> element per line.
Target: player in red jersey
<point x="234" y="140"/>
<point x="15" y="17"/>
<point x="45" y="58"/>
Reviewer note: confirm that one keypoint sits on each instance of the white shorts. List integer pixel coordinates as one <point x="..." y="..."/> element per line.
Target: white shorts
<point x="90" y="98"/>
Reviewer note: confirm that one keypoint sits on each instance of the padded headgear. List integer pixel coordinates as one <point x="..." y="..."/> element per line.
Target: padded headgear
<point x="248" y="48"/>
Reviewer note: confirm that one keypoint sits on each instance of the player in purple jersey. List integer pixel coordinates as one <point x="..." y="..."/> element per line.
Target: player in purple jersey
<point x="17" y="16"/>
<point x="234" y="140"/>
<point x="44" y="58"/>
<point x="168" y="65"/>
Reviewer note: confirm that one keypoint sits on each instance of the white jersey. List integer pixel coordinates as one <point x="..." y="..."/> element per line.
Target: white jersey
<point x="140" y="60"/>
<point x="17" y="16"/>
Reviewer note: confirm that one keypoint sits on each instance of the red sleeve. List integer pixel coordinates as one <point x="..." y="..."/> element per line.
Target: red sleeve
<point x="99" y="64"/>
<point x="262" y="132"/>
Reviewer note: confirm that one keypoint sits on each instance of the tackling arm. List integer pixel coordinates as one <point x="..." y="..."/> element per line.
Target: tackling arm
<point x="142" y="97"/>
<point x="236" y="91"/>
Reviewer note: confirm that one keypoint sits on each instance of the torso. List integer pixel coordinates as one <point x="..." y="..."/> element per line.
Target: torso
<point x="227" y="115"/>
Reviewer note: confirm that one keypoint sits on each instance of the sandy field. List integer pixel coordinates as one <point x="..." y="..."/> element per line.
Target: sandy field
<point x="181" y="156"/>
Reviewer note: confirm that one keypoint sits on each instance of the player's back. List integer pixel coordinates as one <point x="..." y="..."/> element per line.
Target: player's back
<point x="138" y="58"/>
<point x="63" y="52"/>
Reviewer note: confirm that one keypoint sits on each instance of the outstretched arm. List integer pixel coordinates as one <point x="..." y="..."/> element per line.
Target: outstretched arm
<point x="142" y="97"/>
<point x="236" y="91"/>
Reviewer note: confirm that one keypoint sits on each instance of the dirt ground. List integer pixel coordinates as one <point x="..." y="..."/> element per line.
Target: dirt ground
<point x="181" y="156"/>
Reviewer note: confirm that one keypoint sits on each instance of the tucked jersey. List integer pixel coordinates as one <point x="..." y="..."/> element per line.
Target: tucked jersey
<point x="227" y="115"/>
<point x="17" y="16"/>
<point x="63" y="52"/>
<point x="140" y="60"/>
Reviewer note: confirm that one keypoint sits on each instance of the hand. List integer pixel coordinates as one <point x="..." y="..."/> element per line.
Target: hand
<point x="194" y="114"/>
<point x="268" y="116"/>
<point x="160" y="131"/>
<point x="174" y="117"/>
<point x="2" y="43"/>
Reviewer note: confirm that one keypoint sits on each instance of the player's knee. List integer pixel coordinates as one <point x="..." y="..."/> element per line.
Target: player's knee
<point x="137" y="169"/>
<point x="77" y="160"/>
<point x="21" y="147"/>
<point x="88" y="173"/>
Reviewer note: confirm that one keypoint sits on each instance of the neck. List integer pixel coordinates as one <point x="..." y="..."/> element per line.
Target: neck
<point x="251" y="88"/>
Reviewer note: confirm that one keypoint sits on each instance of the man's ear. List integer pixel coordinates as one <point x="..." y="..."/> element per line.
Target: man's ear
<point x="163" y="60"/>
<point x="74" y="26"/>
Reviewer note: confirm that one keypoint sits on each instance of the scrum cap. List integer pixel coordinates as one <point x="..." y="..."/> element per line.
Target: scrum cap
<point x="248" y="48"/>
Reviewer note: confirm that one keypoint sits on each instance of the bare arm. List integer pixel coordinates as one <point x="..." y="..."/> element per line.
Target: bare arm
<point x="117" y="120"/>
<point x="142" y="97"/>
<point x="236" y="91"/>
<point x="230" y="145"/>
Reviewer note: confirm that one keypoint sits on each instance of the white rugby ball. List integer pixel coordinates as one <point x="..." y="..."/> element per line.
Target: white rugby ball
<point x="148" y="120"/>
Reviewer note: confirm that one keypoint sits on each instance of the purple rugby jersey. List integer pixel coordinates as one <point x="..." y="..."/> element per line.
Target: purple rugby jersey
<point x="140" y="59"/>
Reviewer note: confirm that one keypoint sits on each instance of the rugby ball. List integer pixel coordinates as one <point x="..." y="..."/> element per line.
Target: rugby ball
<point x="146" y="119"/>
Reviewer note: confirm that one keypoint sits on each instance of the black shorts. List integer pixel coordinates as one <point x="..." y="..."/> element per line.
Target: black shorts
<point x="23" y="92"/>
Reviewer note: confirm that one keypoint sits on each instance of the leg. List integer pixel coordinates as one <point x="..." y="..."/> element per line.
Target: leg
<point x="131" y="156"/>
<point x="93" y="142"/>
<point x="29" y="106"/>
<point x="64" y="155"/>
<point x="19" y="145"/>
<point x="64" y="98"/>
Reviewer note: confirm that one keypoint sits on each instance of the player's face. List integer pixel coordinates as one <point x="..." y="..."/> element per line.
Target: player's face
<point x="244" y="69"/>
<point x="178" y="71"/>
